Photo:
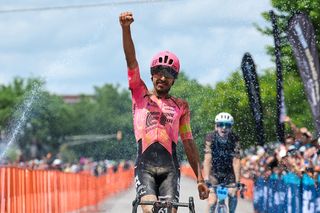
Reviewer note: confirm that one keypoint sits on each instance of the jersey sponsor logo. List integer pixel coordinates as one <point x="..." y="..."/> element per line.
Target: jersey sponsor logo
<point x="152" y="118"/>
<point x="137" y="181"/>
<point x="164" y="119"/>
<point x="178" y="188"/>
<point x="169" y="108"/>
<point x="140" y="188"/>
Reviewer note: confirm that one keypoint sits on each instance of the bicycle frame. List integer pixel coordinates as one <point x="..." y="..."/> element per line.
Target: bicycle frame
<point x="163" y="206"/>
<point x="222" y="193"/>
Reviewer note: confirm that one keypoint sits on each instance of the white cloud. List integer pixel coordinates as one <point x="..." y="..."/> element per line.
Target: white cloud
<point x="77" y="49"/>
<point x="208" y="12"/>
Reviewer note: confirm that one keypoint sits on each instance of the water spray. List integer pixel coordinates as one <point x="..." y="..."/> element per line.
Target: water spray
<point x="17" y="124"/>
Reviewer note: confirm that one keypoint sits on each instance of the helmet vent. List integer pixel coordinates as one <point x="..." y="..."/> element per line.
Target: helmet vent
<point x="165" y="59"/>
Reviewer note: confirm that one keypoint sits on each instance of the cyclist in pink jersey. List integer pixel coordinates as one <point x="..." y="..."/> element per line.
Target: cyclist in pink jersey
<point x="158" y="120"/>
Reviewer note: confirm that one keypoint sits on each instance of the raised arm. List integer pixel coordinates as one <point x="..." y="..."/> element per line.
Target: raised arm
<point x="126" y="18"/>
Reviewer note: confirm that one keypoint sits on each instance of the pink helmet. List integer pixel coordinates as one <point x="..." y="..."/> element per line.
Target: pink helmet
<point x="167" y="59"/>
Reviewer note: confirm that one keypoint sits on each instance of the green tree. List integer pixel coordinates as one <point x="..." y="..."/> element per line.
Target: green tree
<point x="107" y="111"/>
<point x="49" y="120"/>
<point x="295" y="98"/>
<point x="231" y="96"/>
<point x="10" y="96"/>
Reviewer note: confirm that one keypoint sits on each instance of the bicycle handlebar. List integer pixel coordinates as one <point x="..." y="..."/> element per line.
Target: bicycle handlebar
<point x="164" y="204"/>
<point x="242" y="185"/>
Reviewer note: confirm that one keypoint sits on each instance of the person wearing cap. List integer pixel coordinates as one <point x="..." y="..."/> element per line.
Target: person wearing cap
<point x="159" y="119"/>
<point x="222" y="159"/>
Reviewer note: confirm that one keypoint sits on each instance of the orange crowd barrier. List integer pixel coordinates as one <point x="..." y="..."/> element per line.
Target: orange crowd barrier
<point x="248" y="194"/>
<point x="24" y="190"/>
<point x="186" y="170"/>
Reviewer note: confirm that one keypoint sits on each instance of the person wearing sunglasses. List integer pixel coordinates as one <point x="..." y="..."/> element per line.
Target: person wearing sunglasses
<point x="158" y="120"/>
<point x="222" y="159"/>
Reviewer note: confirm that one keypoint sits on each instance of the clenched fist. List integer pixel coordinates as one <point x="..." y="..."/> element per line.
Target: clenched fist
<point x="126" y="18"/>
<point x="203" y="191"/>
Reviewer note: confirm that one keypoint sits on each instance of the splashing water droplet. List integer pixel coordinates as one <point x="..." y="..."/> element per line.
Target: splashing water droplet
<point x="24" y="111"/>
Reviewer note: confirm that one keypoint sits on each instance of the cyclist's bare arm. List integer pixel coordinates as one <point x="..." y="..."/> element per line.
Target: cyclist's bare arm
<point x="126" y="19"/>
<point x="194" y="160"/>
<point x="207" y="161"/>
<point x="236" y="162"/>
<point x="236" y="168"/>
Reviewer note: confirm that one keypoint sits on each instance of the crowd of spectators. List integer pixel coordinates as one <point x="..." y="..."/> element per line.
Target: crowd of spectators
<point x="299" y="154"/>
<point x="83" y="165"/>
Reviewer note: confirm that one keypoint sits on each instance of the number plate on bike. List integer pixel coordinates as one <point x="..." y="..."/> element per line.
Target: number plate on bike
<point x="222" y="192"/>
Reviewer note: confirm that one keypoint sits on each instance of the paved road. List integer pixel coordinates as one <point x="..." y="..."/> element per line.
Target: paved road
<point x="122" y="201"/>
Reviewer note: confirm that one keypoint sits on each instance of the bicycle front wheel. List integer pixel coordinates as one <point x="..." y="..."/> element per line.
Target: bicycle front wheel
<point x="222" y="208"/>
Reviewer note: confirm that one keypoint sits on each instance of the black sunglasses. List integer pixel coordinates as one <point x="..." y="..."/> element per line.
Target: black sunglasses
<point x="164" y="71"/>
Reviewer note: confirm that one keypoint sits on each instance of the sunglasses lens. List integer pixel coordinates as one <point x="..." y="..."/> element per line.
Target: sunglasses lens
<point x="166" y="73"/>
<point x="162" y="71"/>
<point x="226" y="125"/>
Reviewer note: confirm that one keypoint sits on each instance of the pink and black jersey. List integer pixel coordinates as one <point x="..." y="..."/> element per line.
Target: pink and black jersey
<point x="157" y="119"/>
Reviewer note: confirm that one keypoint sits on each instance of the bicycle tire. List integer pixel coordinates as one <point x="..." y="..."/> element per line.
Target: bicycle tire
<point x="221" y="207"/>
<point x="191" y="205"/>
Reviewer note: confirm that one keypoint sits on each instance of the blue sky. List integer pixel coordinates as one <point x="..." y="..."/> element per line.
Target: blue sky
<point x="75" y="50"/>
